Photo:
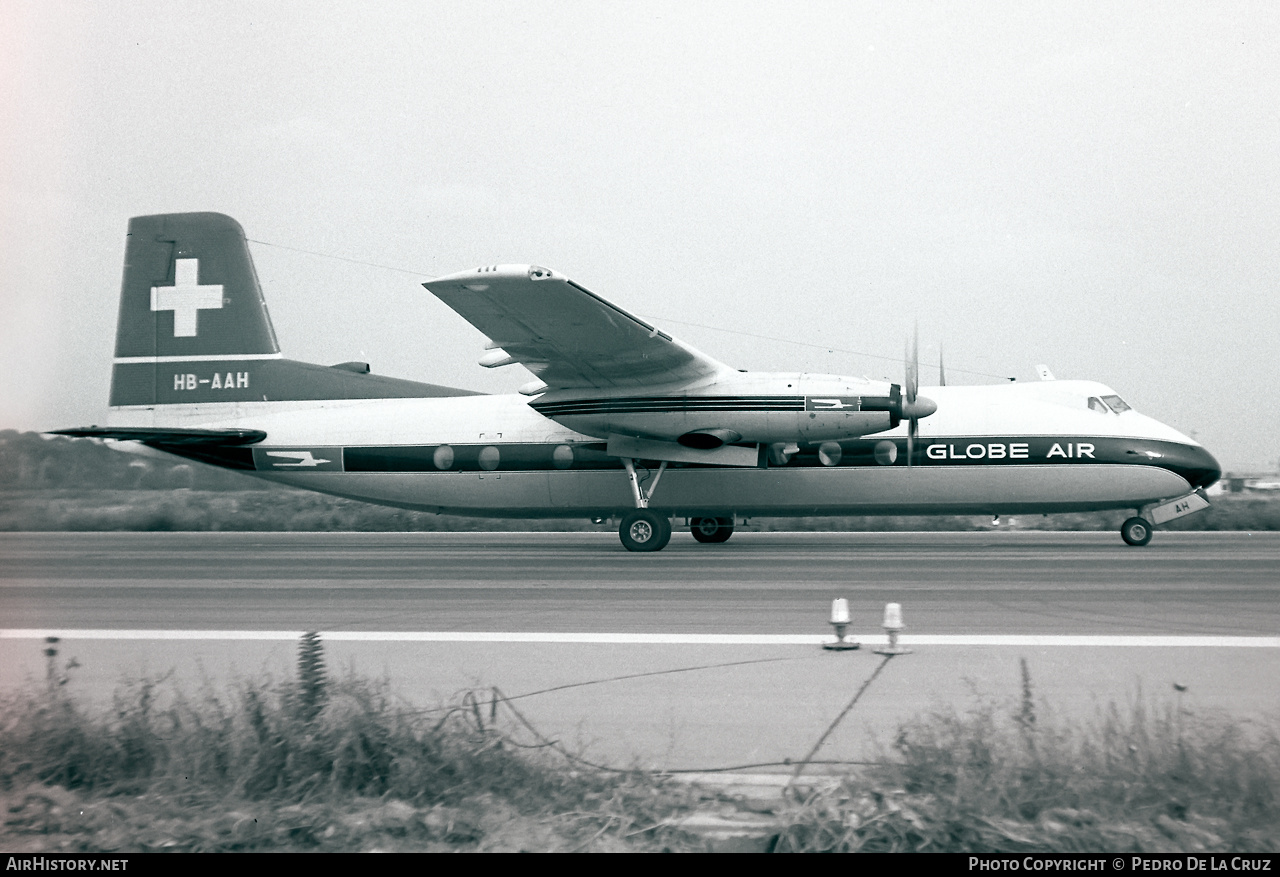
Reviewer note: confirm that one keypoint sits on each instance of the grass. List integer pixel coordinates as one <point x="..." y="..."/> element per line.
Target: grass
<point x="321" y="763"/>
<point x="999" y="780"/>
<point x="337" y="763"/>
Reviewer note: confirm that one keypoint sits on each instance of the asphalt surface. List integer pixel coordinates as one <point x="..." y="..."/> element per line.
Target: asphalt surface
<point x="766" y="583"/>
<point x="659" y="704"/>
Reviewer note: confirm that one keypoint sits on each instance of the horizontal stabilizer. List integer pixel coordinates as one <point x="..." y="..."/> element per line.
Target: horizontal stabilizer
<point x="183" y="437"/>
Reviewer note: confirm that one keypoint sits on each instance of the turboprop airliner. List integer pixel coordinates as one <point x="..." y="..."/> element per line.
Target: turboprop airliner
<point x="623" y="421"/>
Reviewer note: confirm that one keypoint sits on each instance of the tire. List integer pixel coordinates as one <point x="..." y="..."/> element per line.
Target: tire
<point x="711" y="530"/>
<point x="1136" y="531"/>
<point x="643" y="530"/>
<point x="665" y="536"/>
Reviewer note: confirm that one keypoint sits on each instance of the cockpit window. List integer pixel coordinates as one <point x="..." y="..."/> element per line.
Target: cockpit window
<point x="1095" y="404"/>
<point x="1118" y="405"/>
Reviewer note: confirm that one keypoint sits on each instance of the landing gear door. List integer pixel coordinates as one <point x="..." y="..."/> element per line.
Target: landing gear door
<point x="1177" y="508"/>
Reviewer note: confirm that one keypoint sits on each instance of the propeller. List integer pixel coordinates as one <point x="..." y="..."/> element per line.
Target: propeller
<point x="915" y="406"/>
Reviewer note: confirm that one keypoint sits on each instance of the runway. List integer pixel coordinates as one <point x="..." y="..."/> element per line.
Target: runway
<point x="758" y="583"/>
<point x="700" y="657"/>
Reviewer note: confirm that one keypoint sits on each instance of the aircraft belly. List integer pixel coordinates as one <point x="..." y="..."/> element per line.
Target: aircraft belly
<point x="783" y="491"/>
<point x="487" y="494"/>
<point x="920" y="490"/>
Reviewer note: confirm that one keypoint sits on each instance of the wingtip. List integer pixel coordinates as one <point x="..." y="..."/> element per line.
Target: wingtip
<point x="485" y="273"/>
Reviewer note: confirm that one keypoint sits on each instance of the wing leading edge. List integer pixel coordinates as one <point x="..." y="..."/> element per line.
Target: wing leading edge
<point x="565" y="334"/>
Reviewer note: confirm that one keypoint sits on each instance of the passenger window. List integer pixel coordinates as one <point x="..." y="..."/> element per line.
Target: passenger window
<point x="1117" y="404"/>
<point x="1095" y="404"/>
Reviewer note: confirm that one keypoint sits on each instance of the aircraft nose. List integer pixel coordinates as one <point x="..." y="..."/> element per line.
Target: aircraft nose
<point x="1200" y="468"/>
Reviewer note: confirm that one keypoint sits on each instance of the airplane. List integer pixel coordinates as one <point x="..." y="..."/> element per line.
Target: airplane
<point x="623" y="421"/>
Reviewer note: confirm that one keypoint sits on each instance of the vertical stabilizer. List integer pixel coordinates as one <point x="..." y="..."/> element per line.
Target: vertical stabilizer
<point x="190" y="290"/>
<point x="190" y="296"/>
<point x="194" y="328"/>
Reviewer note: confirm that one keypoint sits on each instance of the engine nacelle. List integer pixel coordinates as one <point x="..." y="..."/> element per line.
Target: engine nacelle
<point x="747" y="409"/>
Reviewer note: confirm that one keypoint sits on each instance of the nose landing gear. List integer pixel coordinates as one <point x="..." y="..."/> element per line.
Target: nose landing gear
<point x="1136" y="531"/>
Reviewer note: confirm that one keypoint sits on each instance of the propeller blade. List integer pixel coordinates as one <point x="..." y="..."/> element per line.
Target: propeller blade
<point x="942" y="370"/>
<point x="913" y="366"/>
<point x="913" y="410"/>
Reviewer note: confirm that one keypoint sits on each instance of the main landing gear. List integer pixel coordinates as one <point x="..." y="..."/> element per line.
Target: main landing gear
<point x="646" y="530"/>
<point x="642" y="529"/>
<point x="1136" y="531"/>
<point x="711" y="530"/>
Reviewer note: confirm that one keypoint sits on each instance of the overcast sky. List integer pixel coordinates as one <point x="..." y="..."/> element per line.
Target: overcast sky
<point x="1092" y="186"/>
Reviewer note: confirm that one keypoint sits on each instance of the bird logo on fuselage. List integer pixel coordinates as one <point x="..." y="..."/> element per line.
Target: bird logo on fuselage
<point x="301" y="459"/>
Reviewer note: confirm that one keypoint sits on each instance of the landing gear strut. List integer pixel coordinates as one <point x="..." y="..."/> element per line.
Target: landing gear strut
<point x="1136" y="531"/>
<point x="644" y="530"/>
<point x="711" y="529"/>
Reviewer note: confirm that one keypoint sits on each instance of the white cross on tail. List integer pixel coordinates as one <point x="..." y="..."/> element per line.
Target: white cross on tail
<point x="186" y="298"/>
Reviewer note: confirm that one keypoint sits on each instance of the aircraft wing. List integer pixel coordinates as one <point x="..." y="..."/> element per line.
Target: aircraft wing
<point x="566" y="335"/>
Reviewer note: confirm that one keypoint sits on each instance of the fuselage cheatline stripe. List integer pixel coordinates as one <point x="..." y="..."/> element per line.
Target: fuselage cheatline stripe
<point x="213" y="357"/>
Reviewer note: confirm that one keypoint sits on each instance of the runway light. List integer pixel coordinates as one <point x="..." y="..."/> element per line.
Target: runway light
<point x="893" y="626"/>
<point x="840" y="621"/>
<point x="840" y="611"/>
<point x="893" y="616"/>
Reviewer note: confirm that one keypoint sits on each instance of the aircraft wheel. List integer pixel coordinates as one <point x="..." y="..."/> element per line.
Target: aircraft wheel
<point x="1136" y="531"/>
<point x="643" y="530"/>
<point x="711" y="530"/>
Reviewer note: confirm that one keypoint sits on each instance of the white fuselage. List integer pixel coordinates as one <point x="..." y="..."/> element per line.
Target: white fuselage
<point x="1013" y="448"/>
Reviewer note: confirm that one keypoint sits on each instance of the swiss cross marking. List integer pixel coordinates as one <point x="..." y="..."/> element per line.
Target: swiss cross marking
<point x="186" y="298"/>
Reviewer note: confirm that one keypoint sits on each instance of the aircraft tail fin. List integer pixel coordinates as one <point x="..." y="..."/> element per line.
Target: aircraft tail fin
<point x="190" y="289"/>
<point x="194" y="327"/>
<point x="191" y="311"/>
